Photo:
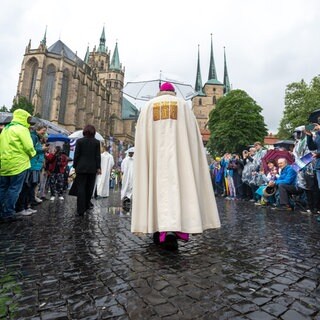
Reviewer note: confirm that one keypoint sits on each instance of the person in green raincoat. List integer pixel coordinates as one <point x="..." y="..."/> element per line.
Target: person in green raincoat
<point x="16" y="150"/>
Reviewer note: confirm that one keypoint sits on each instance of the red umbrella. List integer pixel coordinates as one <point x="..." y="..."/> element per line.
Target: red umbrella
<point x="275" y="155"/>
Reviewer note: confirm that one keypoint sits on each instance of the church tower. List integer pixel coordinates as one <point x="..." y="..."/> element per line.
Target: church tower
<point x="72" y="92"/>
<point x="208" y="95"/>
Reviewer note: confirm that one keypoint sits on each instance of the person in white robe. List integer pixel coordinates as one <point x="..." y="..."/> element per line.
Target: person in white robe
<point x="103" y="180"/>
<point x="127" y="175"/>
<point x="172" y="190"/>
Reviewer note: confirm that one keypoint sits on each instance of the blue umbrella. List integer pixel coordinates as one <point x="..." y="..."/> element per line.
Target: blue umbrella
<point x="52" y="137"/>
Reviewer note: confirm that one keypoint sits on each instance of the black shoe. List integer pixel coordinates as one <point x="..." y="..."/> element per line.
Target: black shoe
<point x="90" y="206"/>
<point x="171" y="242"/>
<point x="156" y="238"/>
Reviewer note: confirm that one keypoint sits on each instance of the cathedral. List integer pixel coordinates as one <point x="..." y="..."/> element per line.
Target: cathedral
<point x="208" y="95"/>
<point x="72" y="92"/>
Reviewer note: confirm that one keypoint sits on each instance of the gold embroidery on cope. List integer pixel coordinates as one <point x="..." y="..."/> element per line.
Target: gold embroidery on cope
<point x="174" y="110"/>
<point x="165" y="110"/>
<point x="156" y="111"/>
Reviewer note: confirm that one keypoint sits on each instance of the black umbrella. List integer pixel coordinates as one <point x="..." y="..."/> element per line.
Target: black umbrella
<point x="284" y="144"/>
<point x="314" y="116"/>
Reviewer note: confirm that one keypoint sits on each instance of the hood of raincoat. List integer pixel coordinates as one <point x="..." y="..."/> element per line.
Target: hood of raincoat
<point x="21" y="116"/>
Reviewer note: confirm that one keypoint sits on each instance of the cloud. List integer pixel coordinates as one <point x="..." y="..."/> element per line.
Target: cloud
<point x="269" y="43"/>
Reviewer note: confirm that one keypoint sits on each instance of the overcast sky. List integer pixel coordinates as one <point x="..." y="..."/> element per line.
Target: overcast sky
<point x="269" y="44"/>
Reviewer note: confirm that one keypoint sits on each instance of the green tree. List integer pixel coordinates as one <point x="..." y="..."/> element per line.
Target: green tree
<point x="23" y="103"/>
<point x="300" y="100"/>
<point x="235" y="123"/>
<point x="4" y="109"/>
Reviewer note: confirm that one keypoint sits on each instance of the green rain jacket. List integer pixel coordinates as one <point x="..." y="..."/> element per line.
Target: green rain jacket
<point x="16" y="147"/>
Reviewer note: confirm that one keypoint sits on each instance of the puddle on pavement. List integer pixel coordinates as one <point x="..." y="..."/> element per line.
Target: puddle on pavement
<point x="118" y="211"/>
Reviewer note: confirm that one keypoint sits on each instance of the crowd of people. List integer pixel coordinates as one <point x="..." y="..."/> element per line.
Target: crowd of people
<point x="30" y="168"/>
<point x="33" y="170"/>
<point x="284" y="179"/>
<point x="164" y="178"/>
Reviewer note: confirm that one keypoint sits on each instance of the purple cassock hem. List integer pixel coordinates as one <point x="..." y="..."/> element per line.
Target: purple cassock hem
<point x="180" y="235"/>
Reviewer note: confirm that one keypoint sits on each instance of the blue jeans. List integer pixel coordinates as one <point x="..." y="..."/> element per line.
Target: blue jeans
<point x="10" y="188"/>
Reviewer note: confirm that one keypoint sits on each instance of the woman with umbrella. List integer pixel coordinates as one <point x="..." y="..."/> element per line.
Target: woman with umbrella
<point x="267" y="195"/>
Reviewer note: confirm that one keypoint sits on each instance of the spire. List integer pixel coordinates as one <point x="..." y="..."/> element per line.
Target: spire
<point x="115" y="61"/>
<point x="86" y="58"/>
<point x="44" y="40"/>
<point x="102" y="45"/>
<point x="212" y="68"/>
<point x="198" y="85"/>
<point x="226" y="81"/>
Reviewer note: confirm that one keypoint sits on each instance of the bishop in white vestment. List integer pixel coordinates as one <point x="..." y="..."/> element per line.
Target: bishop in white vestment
<point x="127" y="175"/>
<point x="172" y="190"/>
<point x="103" y="180"/>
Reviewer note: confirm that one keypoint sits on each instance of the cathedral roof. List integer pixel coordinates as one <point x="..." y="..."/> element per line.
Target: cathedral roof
<point x="214" y="81"/>
<point x="198" y="85"/>
<point x="115" y="61"/>
<point x="129" y="111"/>
<point x="61" y="49"/>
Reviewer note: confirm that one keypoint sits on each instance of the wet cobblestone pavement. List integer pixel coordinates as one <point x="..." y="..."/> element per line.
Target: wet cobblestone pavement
<point x="261" y="265"/>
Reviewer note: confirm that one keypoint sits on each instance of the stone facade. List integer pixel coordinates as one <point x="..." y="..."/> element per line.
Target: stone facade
<point x="203" y="104"/>
<point x="208" y="95"/>
<point x="72" y="92"/>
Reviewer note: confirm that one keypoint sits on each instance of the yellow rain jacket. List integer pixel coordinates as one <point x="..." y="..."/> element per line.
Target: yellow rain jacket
<point x="16" y="146"/>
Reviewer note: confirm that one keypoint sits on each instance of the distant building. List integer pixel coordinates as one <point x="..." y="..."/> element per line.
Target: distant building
<point x="270" y="140"/>
<point x="208" y="94"/>
<point x="72" y="92"/>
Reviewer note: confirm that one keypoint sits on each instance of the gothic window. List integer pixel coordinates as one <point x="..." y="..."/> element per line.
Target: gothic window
<point x="48" y="92"/>
<point x="64" y="96"/>
<point x="214" y="100"/>
<point x="34" y="71"/>
<point x="200" y="102"/>
<point x="112" y="126"/>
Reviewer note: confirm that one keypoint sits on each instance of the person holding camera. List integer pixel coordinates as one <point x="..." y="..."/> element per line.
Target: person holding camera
<point x="314" y="145"/>
<point x="246" y="176"/>
<point x="57" y="163"/>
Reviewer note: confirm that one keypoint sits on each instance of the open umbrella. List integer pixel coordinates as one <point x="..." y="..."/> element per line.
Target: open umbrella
<point x="275" y="155"/>
<point x="314" y="116"/>
<point x="146" y="90"/>
<point x="7" y="117"/>
<point x="284" y="144"/>
<point x="79" y="134"/>
<point x="52" y="137"/>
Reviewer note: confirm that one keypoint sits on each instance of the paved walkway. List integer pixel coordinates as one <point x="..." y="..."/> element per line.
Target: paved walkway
<point x="260" y="265"/>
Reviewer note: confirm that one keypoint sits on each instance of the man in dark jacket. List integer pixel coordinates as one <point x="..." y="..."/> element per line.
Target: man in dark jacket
<point x="87" y="164"/>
